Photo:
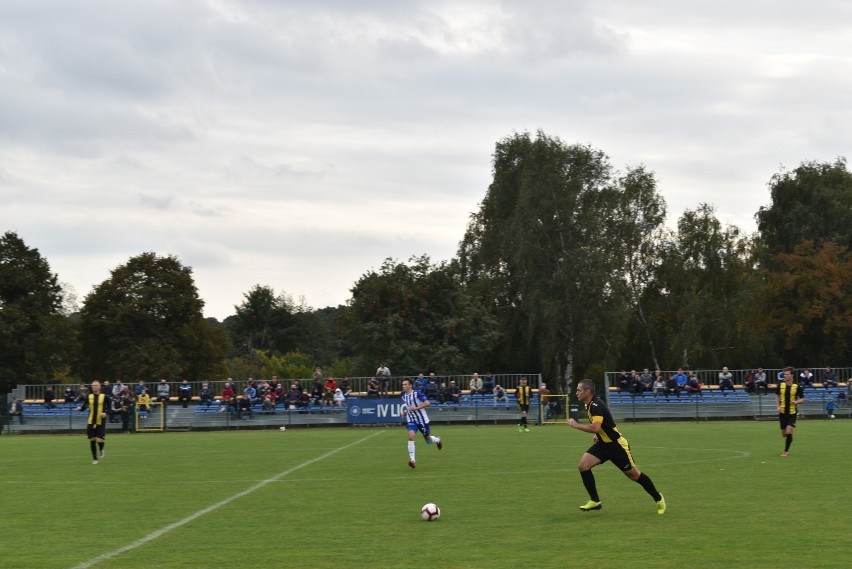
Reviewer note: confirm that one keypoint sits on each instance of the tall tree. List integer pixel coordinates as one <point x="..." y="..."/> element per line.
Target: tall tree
<point x="813" y="202"/>
<point x="705" y="276"/>
<point x="417" y="318"/>
<point x="545" y="250"/>
<point x="263" y="321"/>
<point x="809" y="303"/>
<point x="145" y="322"/>
<point x="33" y="334"/>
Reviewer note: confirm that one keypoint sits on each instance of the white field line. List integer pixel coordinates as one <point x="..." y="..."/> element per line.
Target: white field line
<point x="164" y="530"/>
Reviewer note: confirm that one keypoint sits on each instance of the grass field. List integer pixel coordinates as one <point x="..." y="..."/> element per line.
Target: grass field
<point x="345" y="498"/>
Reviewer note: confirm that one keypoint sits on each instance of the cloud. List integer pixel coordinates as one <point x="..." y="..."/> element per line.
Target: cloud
<point x="298" y="144"/>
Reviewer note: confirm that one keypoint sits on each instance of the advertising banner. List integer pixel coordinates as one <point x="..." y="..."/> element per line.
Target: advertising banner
<point x="374" y="410"/>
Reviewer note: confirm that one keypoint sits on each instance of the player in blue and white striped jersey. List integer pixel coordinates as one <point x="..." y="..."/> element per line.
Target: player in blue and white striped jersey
<point x="414" y="405"/>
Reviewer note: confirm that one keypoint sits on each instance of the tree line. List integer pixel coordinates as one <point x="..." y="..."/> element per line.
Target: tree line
<point x="567" y="268"/>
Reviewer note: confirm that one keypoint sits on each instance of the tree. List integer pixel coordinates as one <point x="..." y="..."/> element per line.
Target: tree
<point x="415" y="317"/>
<point x="34" y="335"/>
<point x="705" y="286"/>
<point x="813" y="202"/>
<point x="145" y="322"/>
<point x="545" y="251"/>
<point x="263" y="321"/>
<point x="809" y="302"/>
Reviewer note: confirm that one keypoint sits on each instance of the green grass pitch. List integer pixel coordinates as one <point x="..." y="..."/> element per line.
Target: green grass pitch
<point x="345" y="498"/>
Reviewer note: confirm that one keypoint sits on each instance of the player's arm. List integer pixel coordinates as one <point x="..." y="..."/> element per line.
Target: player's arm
<point x="594" y="427"/>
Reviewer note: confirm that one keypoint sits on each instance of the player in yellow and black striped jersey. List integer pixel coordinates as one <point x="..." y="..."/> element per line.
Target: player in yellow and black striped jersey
<point x="788" y="395"/>
<point x="98" y="405"/>
<point x="523" y="394"/>
<point x="609" y="444"/>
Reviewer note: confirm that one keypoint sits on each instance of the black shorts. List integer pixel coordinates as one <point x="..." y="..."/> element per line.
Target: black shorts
<point x="524" y="408"/>
<point x="95" y="431"/>
<point x="618" y="452"/>
<point x="787" y="420"/>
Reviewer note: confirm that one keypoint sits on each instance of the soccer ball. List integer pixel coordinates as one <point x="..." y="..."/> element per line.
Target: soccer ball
<point x="430" y="512"/>
<point x="283" y="429"/>
<point x="831" y="416"/>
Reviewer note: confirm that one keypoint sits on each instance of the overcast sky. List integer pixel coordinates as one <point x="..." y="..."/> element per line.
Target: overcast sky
<point x="297" y="144"/>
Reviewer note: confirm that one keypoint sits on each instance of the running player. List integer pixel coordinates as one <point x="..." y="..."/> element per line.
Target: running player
<point x="608" y="444"/>
<point x="414" y="411"/>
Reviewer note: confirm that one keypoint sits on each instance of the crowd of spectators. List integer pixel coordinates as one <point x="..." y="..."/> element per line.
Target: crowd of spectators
<point x="754" y="381"/>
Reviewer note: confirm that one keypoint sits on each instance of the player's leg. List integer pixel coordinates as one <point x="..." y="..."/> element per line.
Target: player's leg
<point x="429" y="437"/>
<point x="623" y="459"/>
<point x="412" y="428"/>
<point x="587" y="462"/>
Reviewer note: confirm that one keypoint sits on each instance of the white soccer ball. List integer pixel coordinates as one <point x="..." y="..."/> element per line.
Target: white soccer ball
<point x="831" y="416"/>
<point x="430" y="512"/>
<point x="283" y="429"/>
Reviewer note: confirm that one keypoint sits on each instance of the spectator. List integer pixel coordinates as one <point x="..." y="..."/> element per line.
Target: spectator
<point x="443" y="393"/>
<point x="454" y="392"/>
<point x="475" y="384"/>
<point x="488" y="383"/>
<point x="69" y="394"/>
<point x="681" y="378"/>
<point x="143" y="401"/>
<point x="294" y="397"/>
<point x="346" y="387"/>
<point x="420" y="383"/>
<point x="117" y="388"/>
<point x="48" y="398"/>
<point x="316" y="393"/>
<point x="83" y="394"/>
<point x="140" y="387"/>
<point x="16" y="409"/>
<point x="233" y="406"/>
<point x="330" y="383"/>
<point x="647" y="380"/>
<point x="125" y="408"/>
<point x="383" y="374"/>
<point x="760" y="382"/>
<point x="184" y="393"/>
<point x="806" y="378"/>
<point x="244" y="405"/>
<point x="660" y="387"/>
<point x="304" y="401"/>
<point x="672" y="386"/>
<point x="106" y="388"/>
<point x="635" y="383"/>
<point x="268" y="404"/>
<point x="693" y="386"/>
<point x="432" y="387"/>
<point x="749" y="382"/>
<point x="829" y="378"/>
<point x="829" y="407"/>
<point x="339" y="398"/>
<point x="206" y="394"/>
<point x="373" y="388"/>
<point x="114" y="411"/>
<point x="228" y="393"/>
<point x="501" y="397"/>
<point x="163" y="391"/>
<point x="318" y="374"/>
<point x="250" y="392"/>
<point x="623" y="381"/>
<point x="725" y="380"/>
<point x="327" y="397"/>
<point x="280" y="393"/>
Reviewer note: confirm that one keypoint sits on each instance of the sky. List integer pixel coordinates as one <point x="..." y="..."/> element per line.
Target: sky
<point x="297" y="144"/>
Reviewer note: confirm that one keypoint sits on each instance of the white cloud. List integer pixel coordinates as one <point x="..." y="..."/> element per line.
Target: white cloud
<point x="297" y="144"/>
